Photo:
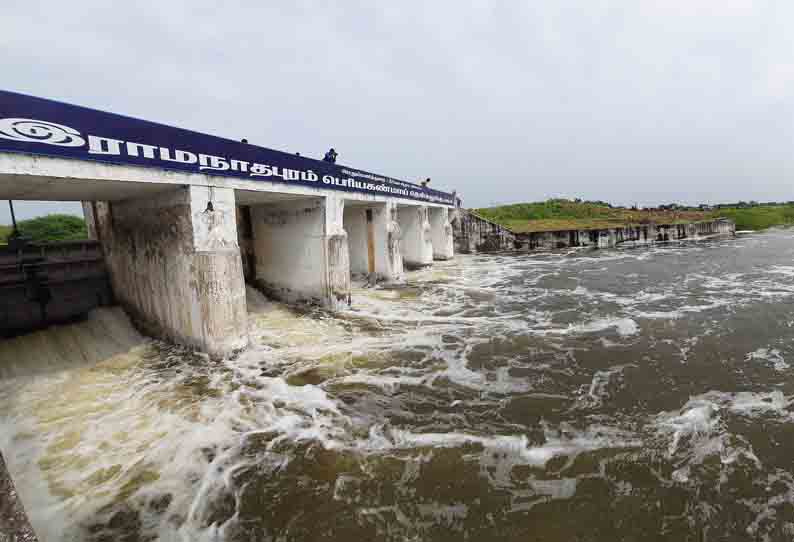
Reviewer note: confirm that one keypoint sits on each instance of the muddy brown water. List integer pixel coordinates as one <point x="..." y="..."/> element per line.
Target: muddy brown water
<point x="638" y="394"/>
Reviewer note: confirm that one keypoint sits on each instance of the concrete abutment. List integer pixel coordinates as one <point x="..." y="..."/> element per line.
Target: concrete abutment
<point x="175" y="265"/>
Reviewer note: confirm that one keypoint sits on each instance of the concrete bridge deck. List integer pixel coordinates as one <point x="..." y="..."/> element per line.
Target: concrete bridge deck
<point x="184" y="219"/>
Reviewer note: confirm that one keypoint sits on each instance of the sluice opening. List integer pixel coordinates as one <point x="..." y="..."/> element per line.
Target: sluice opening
<point x="358" y="223"/>
<point x="50" y="271"/>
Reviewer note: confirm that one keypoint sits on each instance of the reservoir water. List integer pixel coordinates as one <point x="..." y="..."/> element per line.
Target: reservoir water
<point x="637" y="394"/>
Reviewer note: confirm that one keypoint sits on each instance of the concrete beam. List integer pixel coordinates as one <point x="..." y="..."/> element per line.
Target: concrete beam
<point x="417" y="246"/>
<point x="301" y="251"/>
<point x="441" y="233"/>
<point x="175" y="266"/>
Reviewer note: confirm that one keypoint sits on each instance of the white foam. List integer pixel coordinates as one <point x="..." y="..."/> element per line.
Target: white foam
<point x="771" y="355"/>
<point x="624" y="326"/>
<point x="516" y="449"/>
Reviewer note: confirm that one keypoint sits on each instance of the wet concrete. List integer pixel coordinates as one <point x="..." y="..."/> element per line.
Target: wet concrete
<point x="14" y="524"/>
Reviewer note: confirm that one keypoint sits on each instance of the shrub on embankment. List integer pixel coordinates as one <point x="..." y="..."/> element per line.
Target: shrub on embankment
<point x="55" y="227"/>
<point x="758" y="217"/>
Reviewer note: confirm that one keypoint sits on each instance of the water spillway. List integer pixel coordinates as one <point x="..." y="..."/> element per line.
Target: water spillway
<point x="491" y="397"/>
<point x="185" y="219"/>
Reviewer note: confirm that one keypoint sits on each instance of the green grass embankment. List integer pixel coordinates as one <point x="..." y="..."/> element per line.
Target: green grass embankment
<point x="559" y="214"/>
<point x="55" y="227"/>
<point x="758" y="217"/>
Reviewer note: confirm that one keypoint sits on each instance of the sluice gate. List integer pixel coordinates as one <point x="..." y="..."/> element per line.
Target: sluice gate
<point x="49" y="283"/>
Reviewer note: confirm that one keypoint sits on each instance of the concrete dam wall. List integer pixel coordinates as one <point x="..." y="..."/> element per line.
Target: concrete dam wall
<point x="473" y="233"/>
<point x="640" y="234"/>
<point x="183" y="220"/>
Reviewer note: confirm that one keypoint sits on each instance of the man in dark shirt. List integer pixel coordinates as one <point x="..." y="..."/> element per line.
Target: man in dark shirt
<point x="330" y="156"/>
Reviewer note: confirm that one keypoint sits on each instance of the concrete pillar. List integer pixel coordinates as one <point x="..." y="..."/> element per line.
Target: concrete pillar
<point x="175" y="266"/>
<point x="388" y="243"/>
<point x="441" y="233"/>
<point x="373" y="237"/>
<point x="89" y="214"/>
<point x="301" y="251"/>
<point x="417" y="246"/>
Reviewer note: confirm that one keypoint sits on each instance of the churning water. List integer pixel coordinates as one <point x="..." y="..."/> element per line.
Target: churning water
<point x="641" y="394"/>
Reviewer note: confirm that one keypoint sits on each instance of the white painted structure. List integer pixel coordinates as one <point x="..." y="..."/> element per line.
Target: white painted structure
<point x="417" y="244"/>
<point x="172" y="244"/>
<point x="441" y="235"/>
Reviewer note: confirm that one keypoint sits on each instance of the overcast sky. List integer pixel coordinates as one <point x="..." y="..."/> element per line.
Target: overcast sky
<point x="628" y="101"/>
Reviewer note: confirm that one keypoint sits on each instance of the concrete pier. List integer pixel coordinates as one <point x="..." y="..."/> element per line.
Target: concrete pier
<point x="441" y="233"/>
<point x="417" y="245"/>
<point x="389" y="265"/>
<point x="301" y="251"/>
<point x="374" y="240"/>
<point x="175" y="266"/>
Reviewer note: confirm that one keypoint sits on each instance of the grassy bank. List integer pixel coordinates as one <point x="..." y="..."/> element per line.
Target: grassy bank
<point x="568" y="215"/>
<point x="53" y="227"/>
<point x="759" y="217"/>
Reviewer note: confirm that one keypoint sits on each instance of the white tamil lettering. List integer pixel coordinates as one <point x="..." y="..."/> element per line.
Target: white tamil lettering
<point x="290" y="174"/>
<point x="208" y="161"/>
<point x="239" y="165"/>
<point x="309" y="176"/>
<point x="261" y="170"/>
<point x="103" y="145"/>
<point x="135" y="149"/>
<point x="183" y="157"/>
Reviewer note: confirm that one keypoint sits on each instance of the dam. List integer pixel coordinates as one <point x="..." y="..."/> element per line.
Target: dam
<point x="185" y="219"/>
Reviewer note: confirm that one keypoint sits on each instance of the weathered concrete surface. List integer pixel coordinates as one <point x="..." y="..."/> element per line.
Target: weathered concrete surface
<point x="374" y="240"/>
<point x="355" y="225"/>
<point x="14" y="524"/>
<point x="417" y="245"/>
<point x="175" y="266"/>
<point x="441" y="233"/>
<point x="473" y="233"/>
<point x="301" y="251"/>
<point x="639" y="234"/>
<point x="389" y="265"/>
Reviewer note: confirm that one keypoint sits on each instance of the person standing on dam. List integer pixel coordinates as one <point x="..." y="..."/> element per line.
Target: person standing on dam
<point x="330" y="156"/>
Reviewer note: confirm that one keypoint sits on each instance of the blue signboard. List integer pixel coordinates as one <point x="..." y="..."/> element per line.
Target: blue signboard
<point x="45" y="127"/>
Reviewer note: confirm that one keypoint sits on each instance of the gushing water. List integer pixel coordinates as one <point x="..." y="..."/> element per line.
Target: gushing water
<point x="578" y="395"/>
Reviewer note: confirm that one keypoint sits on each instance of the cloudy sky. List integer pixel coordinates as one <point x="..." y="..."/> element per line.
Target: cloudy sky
<point x="631" y="101"/>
